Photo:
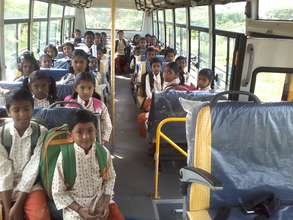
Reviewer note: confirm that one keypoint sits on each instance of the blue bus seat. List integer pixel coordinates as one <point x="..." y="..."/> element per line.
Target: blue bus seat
<point x="57" y="74"/>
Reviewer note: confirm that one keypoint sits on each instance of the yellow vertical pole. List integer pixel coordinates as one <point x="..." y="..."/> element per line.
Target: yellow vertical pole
<point x="113" y="89"/>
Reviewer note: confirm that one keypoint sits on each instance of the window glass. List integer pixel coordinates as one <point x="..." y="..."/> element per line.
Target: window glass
<point x="276" y="10"/>
<point x="169" y="15"/>
<point x="69" y="11"/>
<point x="155" y="23"/>
<point x="22" y="37"/>
<point x="231" y="17"/>
<point x="181" y="41"/>
<point x="221" y="61"/>
<point x="55" y="32"/>
<point x="161" y="26"/>
<point x="180" y="15"/>
<point x="67" y="30"/>
<point x="10" y="50"/>
<point x="126" y="19"/>
<point x="40" y="9"/>
<point x="204" y="51"/>
<point x="281" y="84"/>
<point x="199" y="16"/>
<point x="170" y="35"/>
<point x="16" y="10"/>
<point x="39" y="37"/>
<point x="129" y="19"/>
<point x="56" y="10"/>
<point x="194" y="55"/>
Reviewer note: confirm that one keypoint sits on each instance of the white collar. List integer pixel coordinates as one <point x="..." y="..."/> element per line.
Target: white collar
<point x="81" y="101"/>
<point x="14" y="132"/>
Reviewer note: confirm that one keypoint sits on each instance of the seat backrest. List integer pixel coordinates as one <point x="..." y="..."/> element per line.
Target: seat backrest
<point x="245" y="145"/>
<point x="165" y="105"/>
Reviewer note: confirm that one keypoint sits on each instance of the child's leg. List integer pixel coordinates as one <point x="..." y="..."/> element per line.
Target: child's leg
<point x="114" y="212"/>
<point x="36" y="207"/>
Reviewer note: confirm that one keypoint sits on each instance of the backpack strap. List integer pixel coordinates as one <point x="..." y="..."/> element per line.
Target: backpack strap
<point x="151" y="80"/>
<point x="68" y="165"/>
<point x="6" y="137"/>
<point x="162" y="79"/>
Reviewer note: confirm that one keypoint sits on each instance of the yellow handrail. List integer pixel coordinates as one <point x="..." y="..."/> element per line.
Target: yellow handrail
<point x="159" y="135"/>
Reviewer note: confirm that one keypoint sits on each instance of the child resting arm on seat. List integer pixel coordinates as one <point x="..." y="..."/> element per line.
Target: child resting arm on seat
<point x="90" y="196"/>
<point x="42" y="88"/>
<point x="84" y="94"/>
<point x="20" y="149"/>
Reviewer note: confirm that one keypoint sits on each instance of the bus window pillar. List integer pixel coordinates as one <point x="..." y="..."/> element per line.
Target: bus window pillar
<point x="2" y="47"/>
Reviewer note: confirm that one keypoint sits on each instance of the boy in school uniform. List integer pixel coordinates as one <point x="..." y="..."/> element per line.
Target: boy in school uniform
<point x="90" y="196"/>
<point x="20" y="149"/>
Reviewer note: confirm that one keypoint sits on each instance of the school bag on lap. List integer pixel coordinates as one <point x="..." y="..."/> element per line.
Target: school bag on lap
<point x="58" y="141"/>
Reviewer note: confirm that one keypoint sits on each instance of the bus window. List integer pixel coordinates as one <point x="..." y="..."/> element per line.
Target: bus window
<point x="272" y="10"/>
<point x="155" y="23"/>
<point x="55" y="32"/>
<point x="56" y="11"/>
<point x="40" y="9"/>
<point x="274" y="87"/>
<point x="16" y="10"/>
<point x="129" y="19"/>
<point x="204" y="58"/>
<point x="39" y="37"/>
<point x="181" y="33"/>
<point x="161" y="26"/>
<point x="102" y="18"/>
<point x="231" y="17"/>
<point x="10" y="50"/>
<point x="169" y="27"/>
<point x="199" y="16"/>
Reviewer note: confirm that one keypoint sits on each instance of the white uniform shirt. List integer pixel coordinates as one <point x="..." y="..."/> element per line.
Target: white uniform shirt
<point x="41" y="103"/>
<point x="19" y="169"/>
<point x="120" y="48"/>
<point x="157" y="84"/>
<point x="88" y="184"/>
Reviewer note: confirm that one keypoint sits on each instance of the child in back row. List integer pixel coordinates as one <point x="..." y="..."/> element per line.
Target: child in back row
<point x="20" y="149"/>
<point x="42" y="88"/>
<point x="26" y="64"/>
<point x="85" y="95"/>
<point x="91" y="194"/>
<point x="45" y="61"/>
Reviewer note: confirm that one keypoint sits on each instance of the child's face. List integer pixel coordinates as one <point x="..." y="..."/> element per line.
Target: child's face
<point x="142" y="43"/>
<point x="93" y="64"/>
<point x="85" y="90"/>
<point x="170" y="57"/>
<point x="202" y="82"/>
<point x="84" y="135"/>
<point x="89" y="40"/>
<point x="99" y="54"/>
<point x="169" y="75"/>
<point x="67" y="51"/>
<point x="121" y="35"/>
<point x="98" y="39"/>
<point x="137" y="52"/>
<point x="151" y="55"/>
<point x="77" y="34"/>
<point x="51" y="52"/>
<point x="148" y="40"/>
<point x="40" y="88"/>
<point x="27" y="68"/>
<point x="21" y="113"/>
<point x="154" y="41"/>
<point x="46" y="62"/>
<point x="182" y="64"/>
<point x="79" y="64"/>
<point x="156" y="68"/>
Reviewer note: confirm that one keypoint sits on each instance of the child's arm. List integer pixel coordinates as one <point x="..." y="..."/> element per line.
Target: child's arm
<point x="31" y="169"/>
<point x="106" y="124"/>
<point x="148" y="90"/>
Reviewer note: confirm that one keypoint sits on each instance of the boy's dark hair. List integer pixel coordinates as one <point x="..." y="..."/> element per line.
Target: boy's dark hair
<point x="79" y="53"/>
<point x="68" y="44"/>
<point x="155" y="60"/>
<point x="39" y="75"/>
<point x="77" y="30"/>
<point x="85" y="76"/>
<point x="18" y="96"/>
<point x="150" y="49"/>
<point x="207" y="73"/>
<point x="170" y="50"/>
<point x="98" y="34"/>
<point x="27" y="56"/>
<point x="89" y="33"/>
<point x="180" y="58"/>
<point x="51" y="46"/>
<point x="142" y="39"/>
<point x="92" y="58"/>
<point x="82" y="116"/>
<point x="147" y="35"/>
<point x="44" y="56"/>
<point x="175" y="67"/>
<point x="120" y="31"/>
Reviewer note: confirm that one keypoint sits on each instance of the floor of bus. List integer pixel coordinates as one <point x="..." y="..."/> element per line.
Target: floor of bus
<point x="133" y="165"/>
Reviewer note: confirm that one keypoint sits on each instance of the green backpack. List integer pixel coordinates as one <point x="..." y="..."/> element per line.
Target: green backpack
<point x="56" y="142"/>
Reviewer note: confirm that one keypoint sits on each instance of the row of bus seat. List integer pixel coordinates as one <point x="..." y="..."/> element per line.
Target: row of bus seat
<point x="239" y="160"/>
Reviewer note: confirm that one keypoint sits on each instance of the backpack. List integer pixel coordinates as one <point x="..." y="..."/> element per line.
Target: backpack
<point x="56" y="142"/>
<point x="6" y="137"/>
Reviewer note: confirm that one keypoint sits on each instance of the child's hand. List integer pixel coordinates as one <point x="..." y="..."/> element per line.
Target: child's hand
<point x="85" y="214"/>
<point x="103" y="207"/>
<point x="16" y="212"/>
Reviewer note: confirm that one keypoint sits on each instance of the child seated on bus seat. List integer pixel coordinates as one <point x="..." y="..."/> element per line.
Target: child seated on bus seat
<point x="184" y="76"/>
<point x="134" y="58"/>
<point x="79" y="64"/>
<point x="77" y="37"/>
<point x="171" y="79"/>
<point x="150" y="54"/>
<point x="68" y="49"/>
<point x="170" y="55"/>
<point x="204" y="79"/>
<point x="42" y="88"/>
<point x="51" y="50"/>
<point x="92" y="192"/>
<point x="26" y="64"/>
<point x="84" y="94"/>
<point x="155" y="44"/>
<point x="93" y="65"/>
<point x="45" y="61"/>
<point x="89" y="37"/>
<point x="20" y="193"/>
<point x="143" y="46"/>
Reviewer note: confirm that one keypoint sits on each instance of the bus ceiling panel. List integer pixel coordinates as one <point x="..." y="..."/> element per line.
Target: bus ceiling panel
<point x="72" y="3"/>
<point x="162" y="4"/>
<point x="212" y="2"/>
<point x="125" y="4"/>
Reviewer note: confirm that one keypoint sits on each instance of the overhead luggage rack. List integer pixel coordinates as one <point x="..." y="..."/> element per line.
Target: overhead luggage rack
<point x="72" y="3"/>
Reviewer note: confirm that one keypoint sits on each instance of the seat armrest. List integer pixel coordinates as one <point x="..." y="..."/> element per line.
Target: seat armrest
<point x="200" y="176"/>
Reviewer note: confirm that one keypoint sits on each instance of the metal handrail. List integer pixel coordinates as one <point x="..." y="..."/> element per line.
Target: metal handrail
<point x="159" y="135"/>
